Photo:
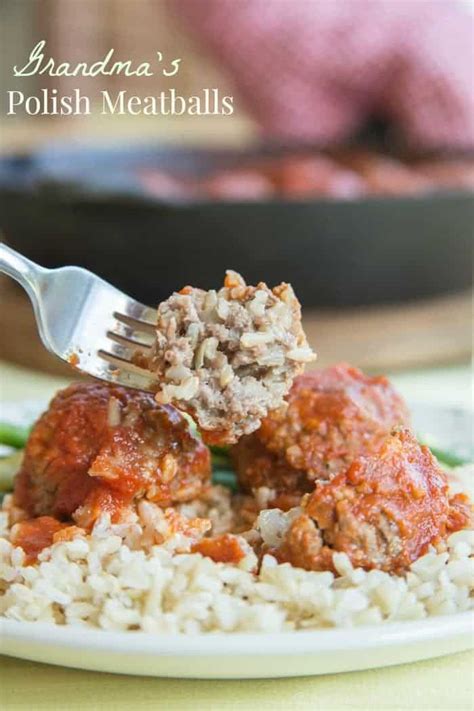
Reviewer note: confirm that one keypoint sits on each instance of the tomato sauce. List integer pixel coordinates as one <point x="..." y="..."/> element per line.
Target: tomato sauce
<point x="98" y="448"/>
<point x="222" y="549"/>
<point x="33" y="535"/>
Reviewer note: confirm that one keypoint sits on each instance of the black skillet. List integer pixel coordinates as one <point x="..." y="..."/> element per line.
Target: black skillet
<point x="87" y="206"/>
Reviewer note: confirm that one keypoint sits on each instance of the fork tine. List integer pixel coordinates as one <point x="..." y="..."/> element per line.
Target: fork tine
<point x="135" y="323"/>
<point x="75" y="312"/>
<point x="139" y="311"/>
<point x="122" y="363"/>
<point x="128" y="342"/>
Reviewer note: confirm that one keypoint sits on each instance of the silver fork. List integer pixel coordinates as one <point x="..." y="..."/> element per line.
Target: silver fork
<point x="84" y="320"/>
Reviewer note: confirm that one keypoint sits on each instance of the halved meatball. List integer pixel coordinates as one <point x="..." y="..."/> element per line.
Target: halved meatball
<point x="99" y="447"/>
<point x="331" y="417"/>
<point x="383" y="511"/>
<point x="227" y="357"/>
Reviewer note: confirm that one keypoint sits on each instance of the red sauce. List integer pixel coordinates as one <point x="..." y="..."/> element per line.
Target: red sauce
<point x="73" y="360"/>
<point x="37" y="533"/>
<point x="334" y="413"/>
<point x="400" y="494"/>
<point x="99" y="447"/>
<point x="460" y="512"/>
<point x="333" y="416"/>
<point x="285" y="501"/>
<point x="383" y="511"/>
<point x="222" y="549"/>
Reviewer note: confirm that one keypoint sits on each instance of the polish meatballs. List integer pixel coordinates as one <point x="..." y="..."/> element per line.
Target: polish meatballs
<point x="332" y="416"/>
<point x="383" y="511"/>
<point x="99" y="448"/>
<point x="228" y="357"/>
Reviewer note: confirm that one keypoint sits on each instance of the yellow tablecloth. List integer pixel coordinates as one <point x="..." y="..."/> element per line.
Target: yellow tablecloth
<point x="446" y="683"/>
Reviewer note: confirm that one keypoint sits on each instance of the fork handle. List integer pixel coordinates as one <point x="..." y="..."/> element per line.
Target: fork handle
<point x="26" y="272"/>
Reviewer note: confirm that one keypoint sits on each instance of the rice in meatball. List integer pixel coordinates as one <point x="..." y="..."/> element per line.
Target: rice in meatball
<point x="228" y="357"/>
<point x="100" y="448"/>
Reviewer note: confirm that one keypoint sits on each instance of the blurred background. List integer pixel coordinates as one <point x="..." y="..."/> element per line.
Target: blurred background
<point x="346" y="167"/>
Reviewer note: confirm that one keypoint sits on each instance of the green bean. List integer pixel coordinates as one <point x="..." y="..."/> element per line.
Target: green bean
<point x="225" y="478"/>
<point x="8" y="468"/>
<point x="221" y="451"/>
<point x="13" y="435"/>
<point x="447" y="457"/>
<point x="220" y="461"/>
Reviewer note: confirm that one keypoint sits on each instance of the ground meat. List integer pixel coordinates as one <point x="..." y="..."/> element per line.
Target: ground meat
<point x="258" y="467"/>
<point x="228" y="357"/>
<point x="332" y="416"/>
<point x="384" y="511"/>
<point x="99" y="447"/>
<point x="303" y="546"/>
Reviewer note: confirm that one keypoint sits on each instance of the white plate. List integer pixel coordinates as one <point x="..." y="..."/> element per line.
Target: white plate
<point x="221" y="656"/>
<point x="238" y="656"/>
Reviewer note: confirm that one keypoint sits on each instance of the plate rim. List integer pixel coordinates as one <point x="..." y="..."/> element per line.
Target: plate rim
<point x="386" y="634"/>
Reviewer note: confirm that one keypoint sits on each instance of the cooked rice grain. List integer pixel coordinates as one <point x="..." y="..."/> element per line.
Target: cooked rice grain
<point x="118" y="579"/>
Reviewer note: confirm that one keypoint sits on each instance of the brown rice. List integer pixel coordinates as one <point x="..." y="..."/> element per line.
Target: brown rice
<point x="119" y="578"/>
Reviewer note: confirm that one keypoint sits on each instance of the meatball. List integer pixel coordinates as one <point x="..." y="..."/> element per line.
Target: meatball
<point x="309" y="176"/>
<point x="239" y="185"/>
<point x="99" y="447"/>
<point x="450" y="173"/>
<point x="228" y="357"/>
<point x="383" y="511"/>
<point x="331" y="417"/>
<point x="387" y="176"/>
